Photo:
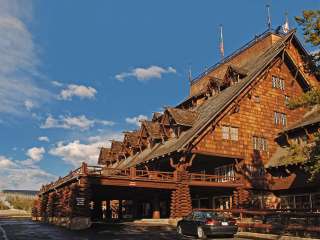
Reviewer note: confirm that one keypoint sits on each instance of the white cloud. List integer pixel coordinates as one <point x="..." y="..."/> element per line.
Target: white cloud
<point x="136" y="120"/>
<point x="18" y="175"/>
<point x="6" y="163"/>
<point x="18" y="61"/>
<point x="144" y="74"/>
<point x="43" y="139"/>
<point x="73" y="122"/>
<point x="77" y="90"/>
<point x="56" y="83"/>
<point x="76" y="152"/>
<point x="36" y="153"/>
<point x="28" y="104"/>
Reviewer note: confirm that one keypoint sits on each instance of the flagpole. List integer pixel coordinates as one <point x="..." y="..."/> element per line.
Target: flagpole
<point x="268" y="17"/>
<point x="221" y="42"/>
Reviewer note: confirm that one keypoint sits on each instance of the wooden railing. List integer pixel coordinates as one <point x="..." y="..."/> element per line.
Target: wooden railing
<point x="133" y="174"/>
<point x="211" y="178"/>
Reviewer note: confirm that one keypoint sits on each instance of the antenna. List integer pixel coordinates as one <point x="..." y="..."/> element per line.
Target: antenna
<point x="268" y="17"/>
<point x="221" y="42"/>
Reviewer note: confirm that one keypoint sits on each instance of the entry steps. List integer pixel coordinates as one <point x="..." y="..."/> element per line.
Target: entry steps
<point x="161" y="221"/>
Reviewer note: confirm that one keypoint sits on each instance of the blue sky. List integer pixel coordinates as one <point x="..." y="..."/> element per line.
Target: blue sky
<point x="75" y="74"/>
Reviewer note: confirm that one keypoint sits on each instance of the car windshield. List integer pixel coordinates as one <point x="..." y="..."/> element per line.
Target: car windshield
<point x="203" y="214"/>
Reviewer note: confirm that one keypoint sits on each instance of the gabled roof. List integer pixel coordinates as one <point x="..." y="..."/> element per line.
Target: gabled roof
<point x="183" y="117"/>
<point x="153" y="129"/>
<point x="212" y="107"/>
<point x="105" y="156"/>
<point x="156" y="116"/>
<point x="241" y="71"/>
<point x="132" y="138"/>
<point x="312" y="117"/>
<point x="283" y="157"/>
<point x="116" y="146"/>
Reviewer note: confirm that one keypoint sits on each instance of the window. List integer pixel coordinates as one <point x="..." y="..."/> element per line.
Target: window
<point x="256" y="99"/>
<point x="225" y="132"/>
<point x="231" y="133"/>
<point x="225" y="173"/>
<point x="286" y="99"/>
<point x="283" y="119"/>
<point x="276" y="118"/>
<point x="278" y="82"/>
<point x="260" y="143"/>
<point x="234" y="133"/>
<point x="280" y="119"/>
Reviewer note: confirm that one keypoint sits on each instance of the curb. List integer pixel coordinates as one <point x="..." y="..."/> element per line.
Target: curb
<point x="263" y="236"/>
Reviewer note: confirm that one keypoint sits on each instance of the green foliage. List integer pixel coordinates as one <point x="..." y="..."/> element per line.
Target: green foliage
<point x="21" y="203"/>
<point x="310" y="23"/>
<point x="308" y="99"/>
<point x="313" y="165"/>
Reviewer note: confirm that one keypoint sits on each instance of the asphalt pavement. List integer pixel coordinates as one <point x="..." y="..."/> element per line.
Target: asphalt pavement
<point x="25" y="229"/>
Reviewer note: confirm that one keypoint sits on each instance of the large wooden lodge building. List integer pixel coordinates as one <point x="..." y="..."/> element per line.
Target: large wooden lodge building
<point x="225" y="146"/>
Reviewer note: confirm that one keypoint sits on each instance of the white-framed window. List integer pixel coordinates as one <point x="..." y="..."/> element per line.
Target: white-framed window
<point x="225" y="132"/>
<point x="234" y="133"/>
<point x="276" y="118"/>
<point x="280" y="119"/>
<point x="283" y="119"/>
<point x="230" y="133"/>
<point x="260" y="143"/>
<point x="278" y="82"/>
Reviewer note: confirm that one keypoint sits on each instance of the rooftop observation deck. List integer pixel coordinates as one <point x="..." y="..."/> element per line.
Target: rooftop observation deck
<point x="132" y="177"/>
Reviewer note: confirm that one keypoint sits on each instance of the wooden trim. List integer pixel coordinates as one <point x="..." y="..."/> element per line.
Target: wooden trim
<point x="212" y="154"/>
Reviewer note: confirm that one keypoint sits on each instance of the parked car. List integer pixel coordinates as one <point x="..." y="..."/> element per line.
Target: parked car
<point x="205" y="223"/>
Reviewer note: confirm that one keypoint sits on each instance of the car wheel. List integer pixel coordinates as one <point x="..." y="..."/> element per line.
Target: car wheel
<point x="200" y="233"/>
<point x="179" y="230"/>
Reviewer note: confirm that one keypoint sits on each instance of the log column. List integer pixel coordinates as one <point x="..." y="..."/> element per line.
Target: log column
<point x="120" y="216"/>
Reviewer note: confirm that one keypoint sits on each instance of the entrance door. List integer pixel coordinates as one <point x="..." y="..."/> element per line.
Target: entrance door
<point x="221" y="202"/>
<point x="200" y="203"/>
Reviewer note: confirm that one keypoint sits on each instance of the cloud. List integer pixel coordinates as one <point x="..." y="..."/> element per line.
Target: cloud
<point x="19" y="60"/>
<point x="28" y="104"/>
<point x="56" y="83"/>
<point x="76" y="122"/>
<point x="17" y="175"/>
<point x="36" y="153"/>
<point x="43" y="139"/>
<point x="136" y="120"/>
<point x="6" y="163"/>
<point x="144" y="74"/>
<point x="76" y="152"/>
<point x="77" y="90"/>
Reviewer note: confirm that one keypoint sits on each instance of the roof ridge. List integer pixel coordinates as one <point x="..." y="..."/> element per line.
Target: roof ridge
<point x="234" y="53"/>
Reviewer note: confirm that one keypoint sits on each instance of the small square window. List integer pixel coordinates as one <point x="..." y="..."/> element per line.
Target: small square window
<point x="234" y="133"/>
<point x="225" y="132"/>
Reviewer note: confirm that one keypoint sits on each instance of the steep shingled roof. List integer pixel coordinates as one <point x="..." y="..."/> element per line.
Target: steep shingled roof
<point x="213" y="106"/>
<point x="183" y="117"/>
<point x="310" y="118"/>
<point x="132" y="138"/>
<point x="105" y="156"/>
<point x="153" y="128"/>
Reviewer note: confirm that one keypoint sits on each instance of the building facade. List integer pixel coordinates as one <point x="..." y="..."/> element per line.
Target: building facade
<point x="227" y="145"/>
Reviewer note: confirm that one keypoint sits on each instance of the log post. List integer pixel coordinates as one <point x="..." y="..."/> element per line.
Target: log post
<point x="120" y="209"/>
